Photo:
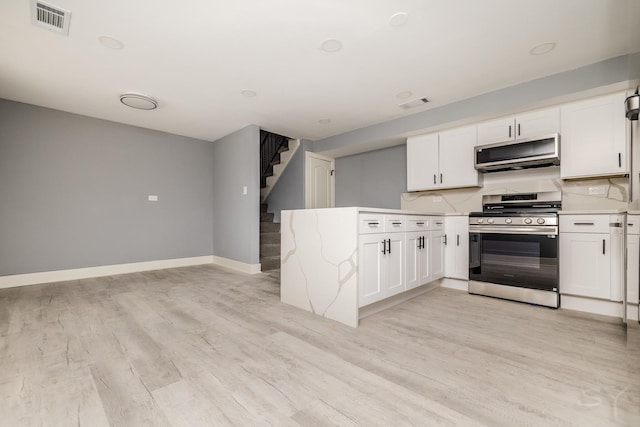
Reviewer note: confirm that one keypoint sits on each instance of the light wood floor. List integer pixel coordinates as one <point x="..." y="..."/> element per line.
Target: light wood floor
<point x="202" y="346"/>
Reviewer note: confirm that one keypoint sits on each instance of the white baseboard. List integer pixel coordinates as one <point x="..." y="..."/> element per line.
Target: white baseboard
<point x="461" y="285"/>
<point x="237" y="265"/>
<point x="591" y="305"/>
<point x="100" y="271"/>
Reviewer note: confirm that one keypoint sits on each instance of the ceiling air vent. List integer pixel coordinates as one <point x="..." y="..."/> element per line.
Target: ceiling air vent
<point x="50" y="17"/>
<point x="414" y="103"/>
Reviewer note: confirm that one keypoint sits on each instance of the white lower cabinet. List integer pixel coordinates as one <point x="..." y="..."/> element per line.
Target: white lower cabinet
<point x="633" y="258"/>
<point x="591" y="256"/>
<point x="456" y="252"/>
<point x="436" y="249"/>
<point x="417" y="259"/>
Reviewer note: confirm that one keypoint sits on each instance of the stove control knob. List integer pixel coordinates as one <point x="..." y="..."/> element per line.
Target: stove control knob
<point x="490" y="220"/>
<point x="508" y="220"/>
<point x="540" y="221"/>
<point x="480" y="220"/>
<point x="528" y="220"/>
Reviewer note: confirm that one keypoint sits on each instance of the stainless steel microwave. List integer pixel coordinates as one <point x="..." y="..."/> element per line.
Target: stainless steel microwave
<point x="519" y="154"/>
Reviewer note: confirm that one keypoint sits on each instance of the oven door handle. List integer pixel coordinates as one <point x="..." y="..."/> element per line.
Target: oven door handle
<point x="538" y="231"/>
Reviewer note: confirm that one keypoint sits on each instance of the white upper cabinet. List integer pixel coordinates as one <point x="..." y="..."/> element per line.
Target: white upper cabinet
<point x="443" y="160"/>
<point x="527" y="125"/>
<point x="594" y="138"/>
<point x="422" y="162"/>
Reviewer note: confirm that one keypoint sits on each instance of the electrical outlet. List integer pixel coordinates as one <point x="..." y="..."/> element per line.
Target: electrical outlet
<point x="244" y="190"/>
<point x="152" y="198"/>
<point x="596" y="191"/>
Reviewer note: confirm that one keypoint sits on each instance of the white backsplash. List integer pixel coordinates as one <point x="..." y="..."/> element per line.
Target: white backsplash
<point x="587" y="194"/>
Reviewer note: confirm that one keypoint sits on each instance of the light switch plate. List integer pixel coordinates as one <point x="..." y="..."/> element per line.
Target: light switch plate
<point x="153" y="198"/>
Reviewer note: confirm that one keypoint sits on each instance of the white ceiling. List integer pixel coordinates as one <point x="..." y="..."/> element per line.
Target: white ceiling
<point x="197" y="56"/>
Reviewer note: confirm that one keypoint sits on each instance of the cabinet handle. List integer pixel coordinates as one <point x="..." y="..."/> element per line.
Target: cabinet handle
<point x="389" y="250"/>
<point x="396" y="223"/>
<point x="440" y="178"/>
<point x="434" y="179"/>
<point x="419" y="223"/>
<point x="583" y="223"/>
<point x="603" y="247"/>
<point x="419" y="242"/>
<point x="373" y="224"/>
<point x="619" y="160"/>
<point x="422" y="242"/>
<point x="518" y="129"/>
<point x="384" y="247"/>
<point x="445" y="239"/>
<point x="509" y="131"/>
<point x="457" y="240"/>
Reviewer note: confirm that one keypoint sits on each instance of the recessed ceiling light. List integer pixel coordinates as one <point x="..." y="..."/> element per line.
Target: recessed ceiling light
<point x="324" y="121"/>
<point x="138" y="101"/>
<point x="331" y="45"/>
<point x="542" y="48"/>
<point x="110" y="42"/>
<point x="398" y="19"/>
<point x="404" y="95"/>
<point x="249" y="93"/>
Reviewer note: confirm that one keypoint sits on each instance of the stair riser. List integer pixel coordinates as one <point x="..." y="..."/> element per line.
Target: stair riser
<point x="267" y="250"/>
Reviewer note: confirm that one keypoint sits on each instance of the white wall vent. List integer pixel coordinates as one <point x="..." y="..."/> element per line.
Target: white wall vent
<point x="50" y="17"/>
<point x="415" y="103"/>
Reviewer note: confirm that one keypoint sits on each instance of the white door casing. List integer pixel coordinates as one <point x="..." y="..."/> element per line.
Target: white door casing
<point x="319" y="181"/>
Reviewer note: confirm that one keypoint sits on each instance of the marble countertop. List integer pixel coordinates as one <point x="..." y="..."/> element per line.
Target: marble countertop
<point x="398" y="211"/>
<point x="592" y="212"/>
<point x="633" y="212"/>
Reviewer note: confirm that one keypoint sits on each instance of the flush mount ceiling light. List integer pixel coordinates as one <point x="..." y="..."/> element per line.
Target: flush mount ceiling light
<point x="398" y="19"/>
<point x="331" y="45"/>
<point x="110" y="42"/>
<point x="542" y="48"/>
<point x="249" y="93"/>
<point x="138" y="101"/>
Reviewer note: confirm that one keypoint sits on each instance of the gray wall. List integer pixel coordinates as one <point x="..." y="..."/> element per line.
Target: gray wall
<point x="502" y="101"/>
<point x="373" y="179"/>
<point x="73" y="192"/>
<point x="236" y="217"/>
<point x="288" y="192"/>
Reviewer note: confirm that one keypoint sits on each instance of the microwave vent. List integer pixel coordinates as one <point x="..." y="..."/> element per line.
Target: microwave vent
<point x="50" y="17"/>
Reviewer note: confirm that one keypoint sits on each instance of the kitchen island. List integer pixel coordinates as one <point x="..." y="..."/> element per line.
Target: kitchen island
<point x="346" y="263"/>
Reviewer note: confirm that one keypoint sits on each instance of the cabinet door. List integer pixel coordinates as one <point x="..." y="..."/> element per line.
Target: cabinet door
<point x="538" y="123"/>
<point x="412" y="260"/>
<point x="633" y="268"/>
<point x="593" y="138"/>
<point x="496" y="130"/>
<point x="423" y="260"/>
<point x="457" y="249"/>
<point x="585" y="268"/>
<point x="436" y="254"/>
<point x="394" y="260"/>
<point x="371" y="273"/>
<point x="456" y="155"/>
<point x="422" y="162"/>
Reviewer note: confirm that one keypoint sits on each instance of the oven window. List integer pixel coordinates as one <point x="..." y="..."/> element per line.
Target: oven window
<point x="528" y="261"/>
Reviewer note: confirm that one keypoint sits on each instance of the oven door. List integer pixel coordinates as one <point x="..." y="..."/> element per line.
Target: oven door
<point x="523" y="260"/>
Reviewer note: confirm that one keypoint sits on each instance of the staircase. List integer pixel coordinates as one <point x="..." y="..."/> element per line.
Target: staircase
<point x="275" y="152"/>
<point x="269" y="240"/>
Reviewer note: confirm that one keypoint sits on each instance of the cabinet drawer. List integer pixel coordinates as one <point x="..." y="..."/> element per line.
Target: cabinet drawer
<point x="371" y="223"/>
<point x="584" y="224"/>
<point x="633" y="224"/>
<point x="394" y="223"/>
<point x="436" y="223"/>
<point x="417" y="223"/>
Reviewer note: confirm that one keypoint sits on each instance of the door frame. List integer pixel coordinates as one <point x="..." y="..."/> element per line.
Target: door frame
<point x="307" y="178"/>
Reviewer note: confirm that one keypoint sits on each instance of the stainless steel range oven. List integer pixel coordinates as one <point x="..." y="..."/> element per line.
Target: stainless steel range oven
<point x="513" y="248"/>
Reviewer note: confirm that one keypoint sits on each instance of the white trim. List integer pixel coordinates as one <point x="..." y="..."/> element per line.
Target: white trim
<point x="100" y="271"/>
<point x="461" y="285"/>
<point x="591" y="305"/>
<point x="237" y="265"/>
<point x="307" y="178"/>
